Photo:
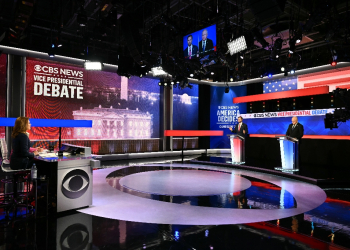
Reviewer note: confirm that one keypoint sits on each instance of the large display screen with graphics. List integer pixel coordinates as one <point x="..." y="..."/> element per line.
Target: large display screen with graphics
<point x="3" y="91"/>
<point x="278" y="122"/>
<point x="120" y="108"/>
<point x="185" y="109"/>
<point x="224" y="114"/>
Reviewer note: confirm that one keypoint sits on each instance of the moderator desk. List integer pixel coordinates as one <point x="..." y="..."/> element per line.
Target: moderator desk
<point x="70" y="179"/>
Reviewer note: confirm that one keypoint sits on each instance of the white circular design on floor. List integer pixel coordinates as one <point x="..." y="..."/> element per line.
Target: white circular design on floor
<point x="180" y="182"/>
<point x="109" y="202"/>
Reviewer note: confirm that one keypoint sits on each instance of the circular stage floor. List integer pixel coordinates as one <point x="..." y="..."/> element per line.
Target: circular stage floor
<point x="185" y="182"/>
<point x="125" y="202"/>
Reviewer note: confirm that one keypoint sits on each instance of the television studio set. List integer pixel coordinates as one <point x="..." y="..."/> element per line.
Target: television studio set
<point x="180" y="125"/>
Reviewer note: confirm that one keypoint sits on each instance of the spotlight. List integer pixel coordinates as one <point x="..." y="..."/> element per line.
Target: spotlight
<point x="191" y="75"/>
<point x="212" y="73"/>
<point x="277" y="46"/>
<point x="282" y="69"/>
<point x="227" y="89"/>
<point x="172" y="82"/>
<point x="158" y="71"/>
<point x="140" y="75"/>
<point x="160" y="83"/>
<point x="82" y="17"/>
<point x="258" y="36"/>
<point x="269" y="75"/>
<point x="334" y="63"/>
<point x="261" y="76"/>
<point x="292" y="71"/>
<point x="51" y="54"/>
<point x="237" y="45"/>
<point x="241" y="56"/>
<point x="231" y="79"/>
<point x="165" y="84"/>
<point x="298" y="38"/>
<point x="291" y="45"/>
<point x="93" y="66"/>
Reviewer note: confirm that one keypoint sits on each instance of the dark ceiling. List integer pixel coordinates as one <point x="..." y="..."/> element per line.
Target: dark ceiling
<point x="132" y="33"/>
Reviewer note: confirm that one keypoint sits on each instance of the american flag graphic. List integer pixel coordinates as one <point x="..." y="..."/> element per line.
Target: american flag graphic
<point x="279" y="85"/>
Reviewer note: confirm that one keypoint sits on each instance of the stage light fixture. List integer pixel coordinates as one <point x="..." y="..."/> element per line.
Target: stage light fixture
<point x="172" y="82"/>
<point x="292" y="71"/>
<point x="51" y="54"/>
<point x="165" y="84"/>
<point x="158" y="71"/>
<point x="231" y="79"/>
<point x="258" y="36"/>
<point x="298" y="38"/>
<point x="160" y="83"/>
<point x="241" y="56"/>
<point x="212" y="73"/>
<point x="237" y="45"/>
<point x="82" y="17"/>
<point x="334" y="63"/>
<point x="291" y="46"/>
<point x="269" y="75"/>
<point x="140" y="75"/>
<point x="191" y="75"/>
<point x="276" y="50"/>
<point x="282" y="69"/>
<point x="93" y="65"/>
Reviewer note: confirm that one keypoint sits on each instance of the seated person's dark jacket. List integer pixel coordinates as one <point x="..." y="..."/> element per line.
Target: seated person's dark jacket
<point x="21" y="157"/>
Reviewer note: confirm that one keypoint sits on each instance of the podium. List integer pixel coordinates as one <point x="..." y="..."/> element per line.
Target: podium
<point x="289" y="148"/>
<point x="237" y="149"/>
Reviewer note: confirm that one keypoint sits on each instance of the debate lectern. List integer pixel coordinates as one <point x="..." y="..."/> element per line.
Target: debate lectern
<point x="289" y="147"/>
<point x="237" y="149"/>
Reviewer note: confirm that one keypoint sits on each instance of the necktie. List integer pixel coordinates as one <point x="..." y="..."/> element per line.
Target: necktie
<point x="190" y="52"/>
<point x="204" y="45"/>
<point x="239" y="127"/>
<point x="293" y="127"/>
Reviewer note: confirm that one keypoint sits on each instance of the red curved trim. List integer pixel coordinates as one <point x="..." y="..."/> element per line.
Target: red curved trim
<point x="333" y="137"/>
<point x="193" y="133"/>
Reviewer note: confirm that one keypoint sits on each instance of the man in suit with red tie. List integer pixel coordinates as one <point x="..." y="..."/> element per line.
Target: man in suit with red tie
<point x="241" y="128"/>
<point x="191" y="50"/>
<point x="295" y="130"/>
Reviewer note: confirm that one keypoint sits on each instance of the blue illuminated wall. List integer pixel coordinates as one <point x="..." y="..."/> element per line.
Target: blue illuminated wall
<point x="185" y="109"/>
<point x="313" y="125"/>
<point x="224" y="113"/>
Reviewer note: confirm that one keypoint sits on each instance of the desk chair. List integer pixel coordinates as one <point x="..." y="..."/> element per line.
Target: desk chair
<point x="18" y="179"/>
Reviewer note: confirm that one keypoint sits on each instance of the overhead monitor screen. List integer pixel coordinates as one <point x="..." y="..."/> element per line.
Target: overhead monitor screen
<point x="200" y="45"/>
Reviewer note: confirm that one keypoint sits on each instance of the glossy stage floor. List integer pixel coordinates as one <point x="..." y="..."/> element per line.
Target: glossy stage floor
<point x="170" y="204"/>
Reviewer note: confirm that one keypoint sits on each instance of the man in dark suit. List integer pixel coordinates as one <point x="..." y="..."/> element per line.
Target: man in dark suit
<point x="295" y="130"/>
<point x="241" y="128"/>
<point x="191" y="49"/>
<point x="206" y="44"/>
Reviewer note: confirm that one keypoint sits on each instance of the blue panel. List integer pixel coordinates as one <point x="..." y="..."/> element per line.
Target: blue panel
<point x="313" y="125"/>
<point x="10" y="122"/>
<point x="224" y="113"/>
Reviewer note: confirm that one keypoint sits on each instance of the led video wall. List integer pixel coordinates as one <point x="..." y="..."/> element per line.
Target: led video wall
<point x="120" y="108"/>
<point x="224" y="113"/>
<point x="278" y="122"/>
<point x="185" y="108"/>
<point x="3" y="63"/>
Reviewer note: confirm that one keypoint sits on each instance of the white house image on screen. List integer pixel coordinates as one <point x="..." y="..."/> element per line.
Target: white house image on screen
<point x="111" y="123"/>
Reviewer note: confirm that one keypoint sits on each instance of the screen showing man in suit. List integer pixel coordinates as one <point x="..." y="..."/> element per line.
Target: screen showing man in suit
<point x="205" y="44"/>
<point x="295" y="129"/>
<point x="191" y="49"/>
<point x="241" y="128"/>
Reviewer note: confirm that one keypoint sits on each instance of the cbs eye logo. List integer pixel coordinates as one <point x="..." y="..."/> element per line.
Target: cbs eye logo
<point x="75" y="236"/>
<point x="75" y="184"/>
<point x="37" y="68"/>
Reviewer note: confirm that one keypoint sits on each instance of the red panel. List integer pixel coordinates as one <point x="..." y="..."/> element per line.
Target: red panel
<point x="281" y="95"/>
<point x="327" y="82"/>
<point x="347" y="86"/>
<point x="333" y="137"/>
<point x="193" y="133"/>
